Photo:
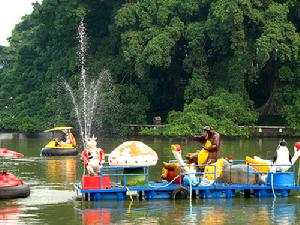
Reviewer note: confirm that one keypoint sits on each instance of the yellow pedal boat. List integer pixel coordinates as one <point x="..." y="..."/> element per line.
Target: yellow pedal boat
<point x="63" y="142"/>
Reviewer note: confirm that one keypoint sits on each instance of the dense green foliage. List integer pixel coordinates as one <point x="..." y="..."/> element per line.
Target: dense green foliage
<point x="167" y="58"/>
<point x="224" y="112"/>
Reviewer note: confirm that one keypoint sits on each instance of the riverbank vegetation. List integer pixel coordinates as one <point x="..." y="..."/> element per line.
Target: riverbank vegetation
<point x="220" y="62"/>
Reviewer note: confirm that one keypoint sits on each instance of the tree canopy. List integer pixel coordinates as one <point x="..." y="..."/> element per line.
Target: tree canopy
<point x="192" y="62"/>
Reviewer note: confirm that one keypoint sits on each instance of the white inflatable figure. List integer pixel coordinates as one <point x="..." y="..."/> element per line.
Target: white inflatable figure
<point x="189" y="170"/>
<point x="95" y="156"/>
<point x="282" y="157"/>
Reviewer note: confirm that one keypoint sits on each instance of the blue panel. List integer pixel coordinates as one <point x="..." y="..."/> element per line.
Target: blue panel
<point x="281" y="179"/>
<point x="157" y="195"/>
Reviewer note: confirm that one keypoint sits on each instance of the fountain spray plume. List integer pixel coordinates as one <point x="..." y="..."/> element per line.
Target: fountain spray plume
<point x="82" y="54"/>
<point x="88" y="89"/>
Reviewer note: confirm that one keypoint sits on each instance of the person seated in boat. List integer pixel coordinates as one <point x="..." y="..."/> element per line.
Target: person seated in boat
<point x="56" y="142"/>
<point x="210" y="152"/>
<point x="67" y="139"/>
<point x="61" y="141"/>
<point x="70" y="139"/>
<point x="67" y="142"/>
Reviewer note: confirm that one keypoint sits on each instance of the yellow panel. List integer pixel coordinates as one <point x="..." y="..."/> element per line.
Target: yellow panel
<point x="258" y="165"/>
<point x="219" y="165"/>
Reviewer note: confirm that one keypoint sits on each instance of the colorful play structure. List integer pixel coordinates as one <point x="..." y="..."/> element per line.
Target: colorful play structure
<point x="226" y="178"/>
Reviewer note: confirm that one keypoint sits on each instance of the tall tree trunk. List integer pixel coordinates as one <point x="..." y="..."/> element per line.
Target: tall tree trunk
<point x="270" y="107"/>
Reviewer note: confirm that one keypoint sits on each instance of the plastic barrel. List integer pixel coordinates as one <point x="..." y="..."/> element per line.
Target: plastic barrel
<point x="281" y="179"/>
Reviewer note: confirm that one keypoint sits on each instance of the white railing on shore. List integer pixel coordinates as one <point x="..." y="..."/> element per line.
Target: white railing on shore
<point x="161" y="125"/>
<point x="262" y="129"/>
<point x="268" y="130"/>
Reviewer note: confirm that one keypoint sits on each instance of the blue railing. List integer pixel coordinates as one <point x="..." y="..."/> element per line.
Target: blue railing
<point x="118" y="171"/>
<point x="234" y="162"/>
<point x="117" y="175"/>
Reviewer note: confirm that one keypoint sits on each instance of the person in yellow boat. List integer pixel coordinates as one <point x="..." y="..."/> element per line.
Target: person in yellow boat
<point x="210" y="152"/>
<point x="66" y="139"/>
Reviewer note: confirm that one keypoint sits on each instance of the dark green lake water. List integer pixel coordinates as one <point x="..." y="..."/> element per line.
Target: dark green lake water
<point x="53" y="199"/>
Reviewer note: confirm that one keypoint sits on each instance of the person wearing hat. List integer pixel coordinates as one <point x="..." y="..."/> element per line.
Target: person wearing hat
<point x="210" y="140"/>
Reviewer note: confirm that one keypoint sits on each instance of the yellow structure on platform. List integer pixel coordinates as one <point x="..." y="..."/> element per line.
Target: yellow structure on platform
<point x="260" y="166"/>
<point x="214" y="167"/>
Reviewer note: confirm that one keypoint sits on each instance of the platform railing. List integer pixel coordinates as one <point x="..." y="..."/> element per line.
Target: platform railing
<point x="118" y="171"/>
<point x="267" y="173"/>
<point x="197" y="173"/>
<point x="249" y="165"/>
<point x="243" y="162"/>
<point x="118" y="174"/>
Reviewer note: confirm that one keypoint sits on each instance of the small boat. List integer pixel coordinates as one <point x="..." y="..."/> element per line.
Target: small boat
<point x="63" y="142"/>
<point x="10" y="185"/>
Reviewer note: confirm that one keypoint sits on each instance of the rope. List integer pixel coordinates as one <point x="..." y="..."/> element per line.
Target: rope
<point x="272" y="185"/>
<point x="190" y="193"/>
<point x="129" y="192"/>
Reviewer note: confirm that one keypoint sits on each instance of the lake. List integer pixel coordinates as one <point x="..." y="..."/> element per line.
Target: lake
<point x="53" y="199"/>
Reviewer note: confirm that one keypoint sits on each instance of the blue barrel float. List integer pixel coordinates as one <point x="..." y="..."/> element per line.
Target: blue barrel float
<point x="281" y="179"/>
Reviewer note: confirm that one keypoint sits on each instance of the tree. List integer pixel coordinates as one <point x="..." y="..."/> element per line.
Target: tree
<point x="224" y="112"/>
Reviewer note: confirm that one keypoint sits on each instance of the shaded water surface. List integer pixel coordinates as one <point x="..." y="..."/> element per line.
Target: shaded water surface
<point x="53" y="200"/>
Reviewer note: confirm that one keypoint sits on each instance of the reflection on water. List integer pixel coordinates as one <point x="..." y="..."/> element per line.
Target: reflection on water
<point x="209" y="211"/>
<point x="283" y="213"/>
<point x="96" y="216"/>
<point x="6" y="136"/>
<point x="43" y="196"/>
<point x="31" y="210"/>
<point x="62" y="170"/>
<point x="10" y="215"/>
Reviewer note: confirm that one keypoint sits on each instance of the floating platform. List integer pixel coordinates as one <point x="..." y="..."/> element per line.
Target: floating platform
<point x="111" y="184"/>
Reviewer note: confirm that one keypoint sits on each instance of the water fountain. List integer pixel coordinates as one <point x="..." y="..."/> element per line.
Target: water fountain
<point x="85" y="100"/>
